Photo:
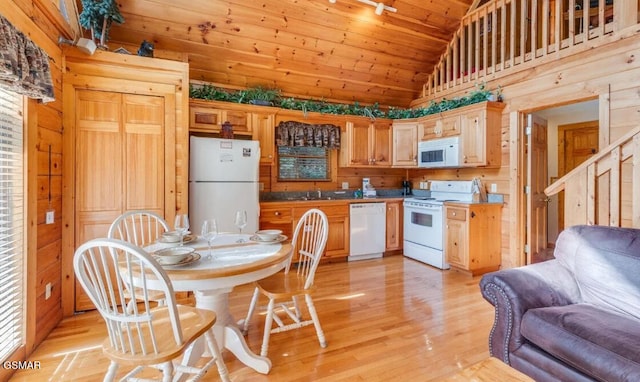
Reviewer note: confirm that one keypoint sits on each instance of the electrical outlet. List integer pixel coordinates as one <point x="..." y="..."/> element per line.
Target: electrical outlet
<point x="50" y="218"/>
<point x="494" y="187"/>
<point x="47" y="291"/>
<point x="423" y="185"/>
<point x="345" y="185"/>
<point x="261" y="186"/>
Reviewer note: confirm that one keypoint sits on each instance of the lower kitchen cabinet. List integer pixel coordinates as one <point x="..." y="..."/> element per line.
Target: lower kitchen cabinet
<point x="277" y="217"/>
<point x="284" y="216"/>
<point x="472" y="237"/>
<point x="338" y="218"/>
<point x="394" y="226"/>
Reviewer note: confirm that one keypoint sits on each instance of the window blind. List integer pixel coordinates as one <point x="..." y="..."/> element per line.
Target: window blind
<point x="11" y="223"/>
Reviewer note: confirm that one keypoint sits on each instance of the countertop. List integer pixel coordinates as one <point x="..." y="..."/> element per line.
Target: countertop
<point x="348" y="200"/>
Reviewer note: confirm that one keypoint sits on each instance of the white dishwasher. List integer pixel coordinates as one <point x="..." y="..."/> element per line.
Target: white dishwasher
<point x="367" y="230"/>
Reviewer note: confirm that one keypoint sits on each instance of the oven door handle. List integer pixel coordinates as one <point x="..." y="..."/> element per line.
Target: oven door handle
<point x="418" y="209"/>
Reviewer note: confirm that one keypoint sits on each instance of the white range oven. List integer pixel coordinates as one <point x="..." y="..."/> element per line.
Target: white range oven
<point x="424" y="221"/>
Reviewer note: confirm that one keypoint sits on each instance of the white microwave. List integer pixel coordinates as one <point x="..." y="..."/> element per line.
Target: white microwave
<point x="441" y="152"/>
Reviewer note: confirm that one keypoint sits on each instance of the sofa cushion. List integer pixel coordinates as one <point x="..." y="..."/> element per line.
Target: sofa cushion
<point x="596" y="341"/>
<point x="605" y="262"/>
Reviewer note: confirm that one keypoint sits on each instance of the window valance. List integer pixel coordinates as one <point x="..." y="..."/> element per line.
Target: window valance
<point x="24" y="67"/>
<point x="293" y="133"/>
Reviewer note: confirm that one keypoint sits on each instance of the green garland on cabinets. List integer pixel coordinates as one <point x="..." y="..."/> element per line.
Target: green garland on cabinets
<point x="273" y="97"/>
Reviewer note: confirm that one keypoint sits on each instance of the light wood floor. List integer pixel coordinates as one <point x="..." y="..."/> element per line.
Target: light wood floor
<point x="390" y="319"/>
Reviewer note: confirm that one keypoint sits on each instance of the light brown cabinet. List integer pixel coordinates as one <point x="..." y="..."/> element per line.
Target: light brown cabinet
<point x="366" y="143"/>
<point x="478" y="126"/>
<point x="338" y="219"/>
<point x="405" y="143"/>
<point x="472" y="237"/>
<point x="264" y="131"/>
<point x="284" y="216"/>
<point x="394" y="226"/>
<point x="440" y="127"/>
<point x="280" y="217"/>
<point x="208" y="117"/>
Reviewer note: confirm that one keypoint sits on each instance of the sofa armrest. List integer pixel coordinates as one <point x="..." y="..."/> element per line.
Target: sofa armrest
<point x="514" y="291"/>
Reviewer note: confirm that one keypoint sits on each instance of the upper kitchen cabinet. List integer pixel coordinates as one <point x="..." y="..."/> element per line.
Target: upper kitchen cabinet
<point x="480" y="135"/>
<point x="445" y="126"/>
<point x="208" y="117"/>
<point x="405" y="143"/>
<point x="264" y="131"/>
<point x="478" y="127"/>
<point x="366" y="143"/>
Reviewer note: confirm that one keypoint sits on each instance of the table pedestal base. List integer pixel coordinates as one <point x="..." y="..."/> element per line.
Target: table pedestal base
<point x="226" y="330"/>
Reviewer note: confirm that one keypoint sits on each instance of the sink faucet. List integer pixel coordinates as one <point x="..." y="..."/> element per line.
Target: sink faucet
<point x="319" y="193"/>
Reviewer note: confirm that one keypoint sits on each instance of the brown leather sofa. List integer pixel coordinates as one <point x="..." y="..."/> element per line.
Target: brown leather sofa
<point x="574" y="318"/>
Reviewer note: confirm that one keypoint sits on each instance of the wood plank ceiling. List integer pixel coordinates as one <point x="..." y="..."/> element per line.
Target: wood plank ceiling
<point x="309" y="49"/>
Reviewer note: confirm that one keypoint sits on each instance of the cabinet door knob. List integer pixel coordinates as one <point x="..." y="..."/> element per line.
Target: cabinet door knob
<point x="453" y="213"/>
<point x="277" y="213"/>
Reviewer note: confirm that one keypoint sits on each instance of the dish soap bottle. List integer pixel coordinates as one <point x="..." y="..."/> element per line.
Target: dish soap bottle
<point x="357" y="194"/>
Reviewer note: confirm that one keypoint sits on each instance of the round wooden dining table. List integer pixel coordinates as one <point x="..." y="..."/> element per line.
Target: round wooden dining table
<point x="214" y="276"/>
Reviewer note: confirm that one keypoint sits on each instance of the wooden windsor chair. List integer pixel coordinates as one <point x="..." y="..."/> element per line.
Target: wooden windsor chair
<point x="143" y="337"/>
<point x="283" y="288"/>
<point x="140" y="228"/>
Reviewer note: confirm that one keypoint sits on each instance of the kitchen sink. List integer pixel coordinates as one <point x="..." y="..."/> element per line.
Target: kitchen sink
<point x="311" y="198"/>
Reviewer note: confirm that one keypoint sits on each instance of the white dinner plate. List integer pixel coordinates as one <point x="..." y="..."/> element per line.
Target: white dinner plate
<point x="189" y="259"/>
<point x="279" y="239"/>
<point x="187" y="239"/>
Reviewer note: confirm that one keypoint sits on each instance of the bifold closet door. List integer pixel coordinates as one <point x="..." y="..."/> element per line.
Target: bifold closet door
<point x="120" y="162"/>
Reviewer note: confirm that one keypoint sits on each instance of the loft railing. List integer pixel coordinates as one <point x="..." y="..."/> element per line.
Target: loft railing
<point x="605" y="189"/>
<point x="504" y="35"/>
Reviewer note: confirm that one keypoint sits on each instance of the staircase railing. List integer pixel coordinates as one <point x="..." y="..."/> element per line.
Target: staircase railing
<point x="506" y="35"/>
<point x="605" y="189"/>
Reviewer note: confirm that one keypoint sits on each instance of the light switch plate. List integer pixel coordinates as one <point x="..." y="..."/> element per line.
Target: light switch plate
<point x="50" y="218"/>
<point x="494" y="187"/>
<point x="47" y="291"/>
<point x="345" y="185"/>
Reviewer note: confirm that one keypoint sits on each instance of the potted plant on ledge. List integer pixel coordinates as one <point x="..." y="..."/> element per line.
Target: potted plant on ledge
<point x="97" y="16"/>
<point x="260" y="96"/>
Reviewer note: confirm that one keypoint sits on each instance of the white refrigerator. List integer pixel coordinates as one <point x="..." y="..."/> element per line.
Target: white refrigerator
<point x="223" y="178"/>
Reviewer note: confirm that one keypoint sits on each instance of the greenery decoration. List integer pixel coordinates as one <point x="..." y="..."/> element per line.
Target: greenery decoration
<point x="273" y="96"/>
<point x="97" y="16"/>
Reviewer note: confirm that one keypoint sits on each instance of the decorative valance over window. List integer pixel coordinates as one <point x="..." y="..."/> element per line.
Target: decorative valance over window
<point x="24" y="67"/>
<point x="292" y="133"/>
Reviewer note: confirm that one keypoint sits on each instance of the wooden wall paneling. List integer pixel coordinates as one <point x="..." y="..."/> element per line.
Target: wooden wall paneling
<point x="68" y="199"/>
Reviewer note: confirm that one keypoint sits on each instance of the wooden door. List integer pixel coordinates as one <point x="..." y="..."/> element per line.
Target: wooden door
<point x="359" y="143"/>
<point x="537" y="179"/>
<point x="263" y="127"/>
<point x="381" y="153"/>
<point x="577" y="142"/>
<point x="405" y="144"/>
<point x="394" y="226"/>
<point x="472" y="138"/>
<point x="456" y="243"/>
<point x="119" y="162"/>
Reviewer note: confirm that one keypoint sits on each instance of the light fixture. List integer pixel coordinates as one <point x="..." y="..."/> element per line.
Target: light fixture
<point x="84" y="44"/>
<point x="332" y="1"/>
<point x="380" y="7"/>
